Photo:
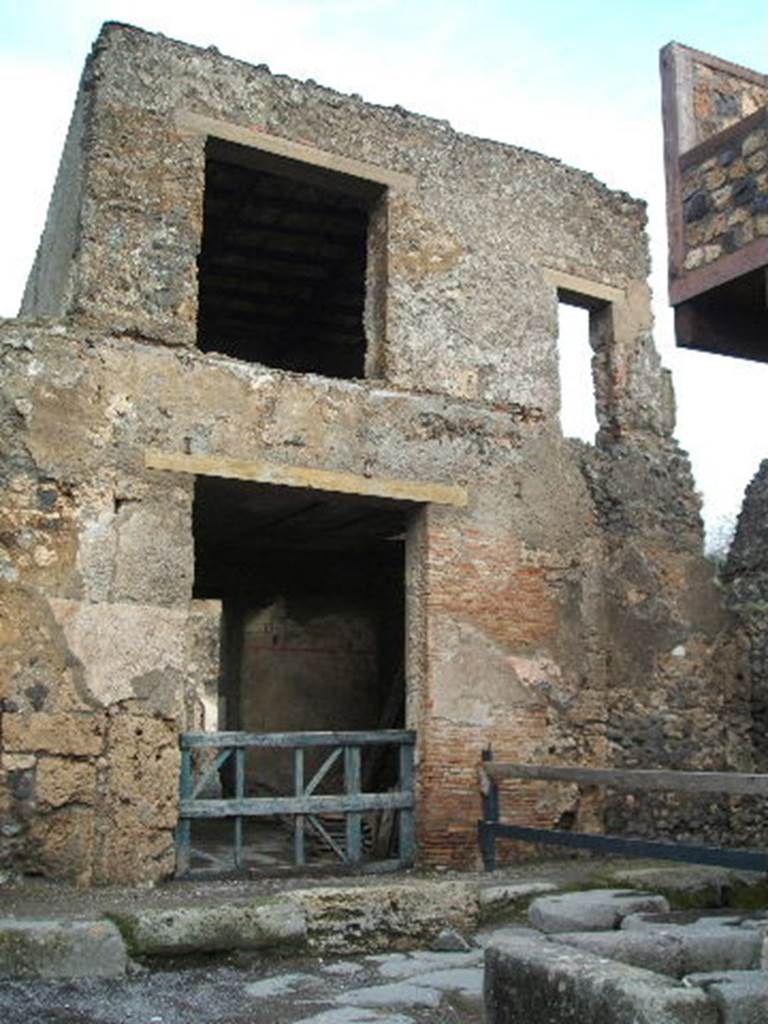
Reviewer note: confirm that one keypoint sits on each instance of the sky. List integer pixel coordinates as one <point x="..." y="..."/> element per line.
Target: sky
<point x="575" y="80"/>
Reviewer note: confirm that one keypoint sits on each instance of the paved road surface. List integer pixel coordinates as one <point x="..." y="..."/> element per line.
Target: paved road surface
<point x="420" y="987"/>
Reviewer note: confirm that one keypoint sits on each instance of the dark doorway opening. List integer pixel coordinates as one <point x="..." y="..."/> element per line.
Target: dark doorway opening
<point x="313" y="595"/>
<point x="284" y="262"/>
<point x="312" y="586"/>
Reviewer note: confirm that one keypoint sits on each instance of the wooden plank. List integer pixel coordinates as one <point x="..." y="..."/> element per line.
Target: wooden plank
<point x="333" y="481"/>
<point x="189" y="123"/>
<point x="326" y="837"/>
<point x="725" y="329"/>
<point x="353" y="820"/>
<point x="406" y="821"/>
<point x="323" y="770"/>
<point x="184" y="826"/>
<point x="689" y="854"/>
<point x="239" y="794"/>
<point x="210" y="771"/>
<point x="298" y="824"/>
<point x="677" y="116"/>
<point x="189" y="740"/>
<point x="660" y="780"/>
<point x="720" y="271"/>
<point x="719" y="64"/>
<point x="715" y="143"/>
<point x="259" y="806"/>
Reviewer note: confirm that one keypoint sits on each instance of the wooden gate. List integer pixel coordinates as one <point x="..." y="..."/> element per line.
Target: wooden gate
<point x="204" y="755"/>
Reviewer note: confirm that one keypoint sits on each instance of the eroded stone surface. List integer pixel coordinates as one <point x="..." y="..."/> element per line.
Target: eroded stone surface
<point x="55" y="949"/>
<point x="533" y="979"/>
<point x="270" y="924"/>
<point x="595" y="910"/>
<point x="393" y="916"/>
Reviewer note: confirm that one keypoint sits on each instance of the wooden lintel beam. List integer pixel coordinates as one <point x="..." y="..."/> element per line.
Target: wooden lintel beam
<point x="333" y="481"/>
<point x="189" y="123"/>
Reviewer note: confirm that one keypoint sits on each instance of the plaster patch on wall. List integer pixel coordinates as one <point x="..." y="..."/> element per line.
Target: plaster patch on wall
<point x="477" y="676"/>
<point x="117" y="644"/>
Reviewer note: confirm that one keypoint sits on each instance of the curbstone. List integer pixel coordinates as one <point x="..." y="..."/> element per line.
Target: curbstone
<point x="367" y="919"/>
<point x="277" y="924"/>
<point x="534" y="979"/>
<point x="61" y="949"/>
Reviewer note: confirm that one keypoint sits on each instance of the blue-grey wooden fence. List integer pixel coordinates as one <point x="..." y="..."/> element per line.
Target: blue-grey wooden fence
<point x="305" y="805"/>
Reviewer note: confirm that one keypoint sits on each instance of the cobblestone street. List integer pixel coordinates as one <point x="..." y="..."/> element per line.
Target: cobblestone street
<point x="421" y="987"/>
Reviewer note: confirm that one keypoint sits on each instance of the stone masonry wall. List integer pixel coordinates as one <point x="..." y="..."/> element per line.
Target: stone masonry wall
<point x="725" y="195"/>
<point x="566" y="615"/>
<point x="722" y="98"/>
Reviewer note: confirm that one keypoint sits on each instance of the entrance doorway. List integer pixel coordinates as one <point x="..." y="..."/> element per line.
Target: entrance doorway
<point x="312" y="586"/>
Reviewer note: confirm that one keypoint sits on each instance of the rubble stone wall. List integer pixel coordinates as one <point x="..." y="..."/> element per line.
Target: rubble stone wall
<point x="722" y="96"/>
<point x="745" y="575"/>
<point x="565" y="615"/>
<point x="725" y="194"/>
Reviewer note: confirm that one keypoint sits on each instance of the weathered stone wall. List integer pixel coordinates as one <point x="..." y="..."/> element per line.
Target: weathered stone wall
<point x="722" y="96"/>
<point x="745" y="576"/>
<point x="725" y="194"/>
<point x="566" y="614"/>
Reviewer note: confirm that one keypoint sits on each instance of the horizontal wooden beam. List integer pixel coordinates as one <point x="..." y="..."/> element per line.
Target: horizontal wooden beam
<point x="256" y="807"/>
<point x="374" y="737"/>
<point x="659" y="780"/>
<point x="715" y="143"/>
<point x="189" y="123"/>
<point x="720" y="271"/>
<point x="744" y="860"/>
<point x="329" y="480"/>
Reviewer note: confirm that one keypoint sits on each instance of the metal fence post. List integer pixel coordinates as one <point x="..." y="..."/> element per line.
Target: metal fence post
<point x="485" y="827"/>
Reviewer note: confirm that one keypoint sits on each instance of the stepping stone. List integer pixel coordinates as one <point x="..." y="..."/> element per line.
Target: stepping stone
<point x="592" y="911"/>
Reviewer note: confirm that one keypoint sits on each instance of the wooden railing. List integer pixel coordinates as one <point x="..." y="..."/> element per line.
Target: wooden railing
<point x="199" y="769"/>
<point x="491" y="828"/>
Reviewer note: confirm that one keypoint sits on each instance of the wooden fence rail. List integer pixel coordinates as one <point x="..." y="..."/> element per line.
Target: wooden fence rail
<point x="491" y="828"/>
<point x="305" y="805"/>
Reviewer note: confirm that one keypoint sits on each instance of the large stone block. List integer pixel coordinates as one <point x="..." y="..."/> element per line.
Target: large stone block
<point x="271" y="924"/>
<point x="61" y="949"/>
<point x="531" y="979"/>
<point x="60" y="781"/>
<point x="394" y="916"/>
<point x="54" y="733"/>
<point x="592" y="911"/>
<point x="741" y="996"/>
<point x="60" y="844"/>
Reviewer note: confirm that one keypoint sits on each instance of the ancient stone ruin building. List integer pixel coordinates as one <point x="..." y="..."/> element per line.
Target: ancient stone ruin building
<point x="282" y="451"/>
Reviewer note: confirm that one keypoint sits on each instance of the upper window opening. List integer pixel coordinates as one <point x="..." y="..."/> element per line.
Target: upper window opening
<point x="282" y="266"/>
<point x="578" y="415"/>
